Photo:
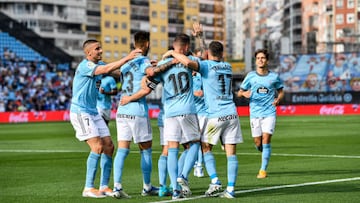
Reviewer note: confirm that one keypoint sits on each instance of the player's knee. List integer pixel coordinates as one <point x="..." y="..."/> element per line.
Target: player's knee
<point x="97" y="148"/>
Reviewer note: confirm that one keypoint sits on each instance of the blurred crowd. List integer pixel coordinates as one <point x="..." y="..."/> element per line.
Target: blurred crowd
<point x="33" y="86"/>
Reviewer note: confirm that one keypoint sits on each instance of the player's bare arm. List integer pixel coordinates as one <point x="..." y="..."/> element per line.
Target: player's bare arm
<point x="243" y="93"/>
<point x="104" y="69"/>
<point x="184" y="60"/>
<point x="111" y="92"/>
<point x="199" y="34"/>
<point x="279" y="97"/>
<point x="145" y="90"/>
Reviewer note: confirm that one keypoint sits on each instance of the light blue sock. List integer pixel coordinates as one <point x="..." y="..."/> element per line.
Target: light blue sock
<point x="266" y="153"/>
<point x="91" y="168"/>
<point x="232" y="170"/>
<point x="209" y="161"/>
<point x="162" y="167"/>
<point x="172" y="165"/>
<point x="200" y="159"/>
<point x="190" y="159"/>
<point x="181" y="161"/>
<point x="119" y="160"/>
<point x="106" y="166"/>
<point x="146" y="164"/>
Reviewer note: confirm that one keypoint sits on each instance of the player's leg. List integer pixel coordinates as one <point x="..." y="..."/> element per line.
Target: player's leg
<point x="124" y="137"/>
<point x="267" y="126"/>
<point x="172" y="134"/>
<point x="86" y="130"/>
<point x="91" y="167"/>
<point x="190" y="136"/>
<point x="106" y="165"/>
<point x="146" y="168"/>
<point x="182" y="157"/>
<point x="191" y="139"/>
<point x="232" y="170"/>
<point x="210" y="138"/>
<point x="162" y="166"/>
<point x="172" y="165"/>
<point x="256" y="132"/>
<point x="163" y="172"/>
<point x="198" y="167"/>
<point x="106" y="157"/>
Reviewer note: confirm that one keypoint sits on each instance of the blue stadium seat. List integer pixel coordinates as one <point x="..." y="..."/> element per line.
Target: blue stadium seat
<point x="21" y="50"/>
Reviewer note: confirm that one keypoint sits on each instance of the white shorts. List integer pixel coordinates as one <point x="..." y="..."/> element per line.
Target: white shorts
<point x="182" y="129"/>
<point x="88" y="126"/>
<point x="162" y="139"/>
<point x="202" y="124"/>
<point x="133" y="127"/>
<point x="262" y="125"/>
<point x="105" y="113"/>
<point x="226" y="128"/>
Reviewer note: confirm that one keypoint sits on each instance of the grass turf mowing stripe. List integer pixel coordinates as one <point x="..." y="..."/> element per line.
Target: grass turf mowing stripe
<point x="269" y="188"/>
<point x="158" y="152"/>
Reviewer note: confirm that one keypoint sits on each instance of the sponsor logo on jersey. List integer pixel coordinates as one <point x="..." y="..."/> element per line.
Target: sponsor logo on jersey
<point x="263" y="90"/>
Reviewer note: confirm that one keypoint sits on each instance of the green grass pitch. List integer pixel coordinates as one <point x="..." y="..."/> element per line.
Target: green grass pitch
<point x="314" y="159"/>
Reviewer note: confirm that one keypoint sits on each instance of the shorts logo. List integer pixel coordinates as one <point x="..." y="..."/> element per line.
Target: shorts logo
<point x="226" y="118"/>
<point x="126" y="116"/>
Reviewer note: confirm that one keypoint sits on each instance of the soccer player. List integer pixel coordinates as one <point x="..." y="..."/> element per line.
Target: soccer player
<point x="146" y="87"/>
<point x="132" y="121"/>
<point x="107" y="88"/>
<point x="222" y="118"/>
<point x="201" y="115"/>
<point x="201" y="53"/>
<point x="261" y="87"/>
<point x="87" y="122"/>
<point x="180" y="123"/>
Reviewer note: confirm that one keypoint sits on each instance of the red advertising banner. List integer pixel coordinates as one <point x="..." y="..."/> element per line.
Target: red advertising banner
<point x="288" y="110"/>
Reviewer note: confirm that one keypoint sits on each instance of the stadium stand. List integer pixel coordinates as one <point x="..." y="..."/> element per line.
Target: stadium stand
<point x="35" y="75"/>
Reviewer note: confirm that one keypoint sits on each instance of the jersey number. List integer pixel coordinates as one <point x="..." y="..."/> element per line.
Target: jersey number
<point x="225" y="79"/>
<point x="130" y="84"/>
<point x="181" y="83"/>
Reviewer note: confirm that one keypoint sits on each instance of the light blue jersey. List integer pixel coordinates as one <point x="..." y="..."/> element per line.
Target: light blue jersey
<point x="199" y="101"/>
<point x="217" y="83"/>
<point x="178" y="92"/>
<point x="108" y="83"/>
<point x="160" y="119"/>
<point x="132" y="73"/>
<point x="84" y="91"/>
<point x="263" y="89"/>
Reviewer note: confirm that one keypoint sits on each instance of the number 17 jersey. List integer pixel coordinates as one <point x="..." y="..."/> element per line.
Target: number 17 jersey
<point x="217" y="85"/>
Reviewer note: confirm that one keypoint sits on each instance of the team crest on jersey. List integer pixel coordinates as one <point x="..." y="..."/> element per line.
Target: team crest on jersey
<point x="91" y="65"/>
<point x="263" y="90"/>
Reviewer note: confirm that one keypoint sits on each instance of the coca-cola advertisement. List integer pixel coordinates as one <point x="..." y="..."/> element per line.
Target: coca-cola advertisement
<point x="284" y="110"/>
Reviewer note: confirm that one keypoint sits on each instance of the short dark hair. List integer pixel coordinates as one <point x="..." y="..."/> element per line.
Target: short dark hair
<point x="264" y="51"/>
<point x="183" y="39"/>
<point x="141" y="38"/>
<point x="89" y="41"/>
<point x="216" y="49"/>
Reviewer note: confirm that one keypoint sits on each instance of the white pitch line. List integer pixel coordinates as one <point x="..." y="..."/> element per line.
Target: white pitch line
<point x="270" y="188"/>
<point x="158" y="152"/>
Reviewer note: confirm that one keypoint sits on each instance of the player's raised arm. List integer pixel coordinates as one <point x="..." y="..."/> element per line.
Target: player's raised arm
<point x="200" y="43"/>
